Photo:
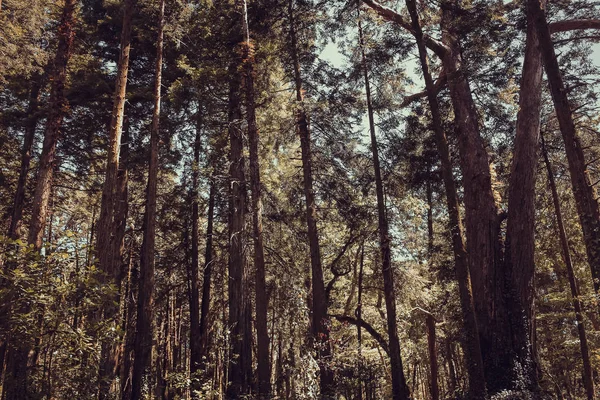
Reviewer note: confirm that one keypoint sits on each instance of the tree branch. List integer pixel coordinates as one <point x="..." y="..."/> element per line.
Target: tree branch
<point x="368" y="327"/>
<point x="332" y="267"/>
<point x="390" y="15"/>
<point x="439" y="84"/>
<point x="574" y="24"/>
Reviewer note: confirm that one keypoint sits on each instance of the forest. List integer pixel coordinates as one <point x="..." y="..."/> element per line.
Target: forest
<point x="299" y="199"/>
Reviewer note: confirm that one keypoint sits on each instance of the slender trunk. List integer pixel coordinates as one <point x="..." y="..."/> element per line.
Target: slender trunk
<point x="471" y="343"/>
<point x="145" y="304"/>
<point x="30" y="126"/>
<point x="262" y="301"/>
<point x="451" y="370"/>
<point x="15" y="379"/>
<point x="359" y="314"/>
<point x="129" y="329"/>
<point x="320" y="324"/>
<point x="399" y="388"/>
<point x="195" y="328"/>
<point x="588" y="376"/>
<point x="58" y="110"/>
<point x="122" y="206"/>
<point x="19" y="199"/>
<point x="584" y="192"/>
<point x="208" y="267"/>
<point x="111" y="351"/>
<point x="350" y="299"/>
<point x="430" y="232"/>
<point x="237" y="386"/>
<point x="106" y="227"/>
<point x="433" y="362"/>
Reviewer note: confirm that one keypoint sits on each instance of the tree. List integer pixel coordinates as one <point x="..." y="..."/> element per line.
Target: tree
<point x="15" y="380"/>
<point x="262" y="301"/>
<point x="473" y="356"/>
<point x="588" y="376"/>
<point x="145" y="303"/>
<point x="107" y="242"/>
<point x="584" y="191"/>
<point x="320" y="329"/>
<point x="400" y="389"/>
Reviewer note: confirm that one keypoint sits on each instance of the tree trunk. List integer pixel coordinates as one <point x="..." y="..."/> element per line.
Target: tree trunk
<point x="400" y="390"/>
<point x="588" y="376"/>
<point x="106" y="227"/>
<point x="145" y="304"/>
<point x="433" y="362"/>
<point x="208" y="267"/>
<point x="237" y="384"/>
<point x="30" y="126"/>
<point x="520" y="231"/>
<point x="262" y="301"/>
<point x="15" y="379"/>
<point x="195" y="324"/>
<point x="14" y="230"/>
<point x="58" y="110"/>
<point x="584" y="192"/>
<point x="358" y="314"/>
<point x="320" y="323"/>
<point x="482" y="220"/>
<point x="129" y="299"/>
<point x="473" y="355"/>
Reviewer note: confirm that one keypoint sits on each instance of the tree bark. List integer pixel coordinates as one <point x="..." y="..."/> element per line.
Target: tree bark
<point x="208" y="267"/>
<point x="237" y="382"/>
<point x="482" y="220"/>
<point x="195" y="321"/>
<point x="58" y="110"/>
<point x="15" y="378"/>
<point x="262" y="301"/>
<point x="588" y="376"/>
<point x="129" y="299"/>
<point x="400" y="389"/>
<point x="107" y="226"/>
<point x="585" y="194"/>
<point x="477" y="388"/>
<point x="30" y="126"/>
<point x="320" y="323"/>
<point x="433" y="362"/>
<point x="520" y="230"/>
<point x="145" y="304"/>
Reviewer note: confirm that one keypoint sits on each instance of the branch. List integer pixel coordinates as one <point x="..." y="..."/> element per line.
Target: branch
<point x="368" y="327"/>
<point x="390" y="15"/>
<point x="574" y="24"/>
<point x="337" y="274"/>
<point x="439" y="84"/>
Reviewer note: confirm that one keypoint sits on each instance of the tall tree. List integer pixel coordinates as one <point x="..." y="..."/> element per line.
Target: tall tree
<point x="145" y="303"/>
<point x="482" y="216"/>
<point x="30" y="127"/>
<point x="238" y="384"/>
<point x="320" y="323"/>
<point x="262" y="301"/>
<point x="195" y="324"/>
<point x="106" y="227"/>
<point x="585" y="194"/>
<point x="16" y="385"/>
<point x="588" y="374"/>
<point x="400" y="389"/>
<point x="520" y="226"/>
<point x="477" y="389"/>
